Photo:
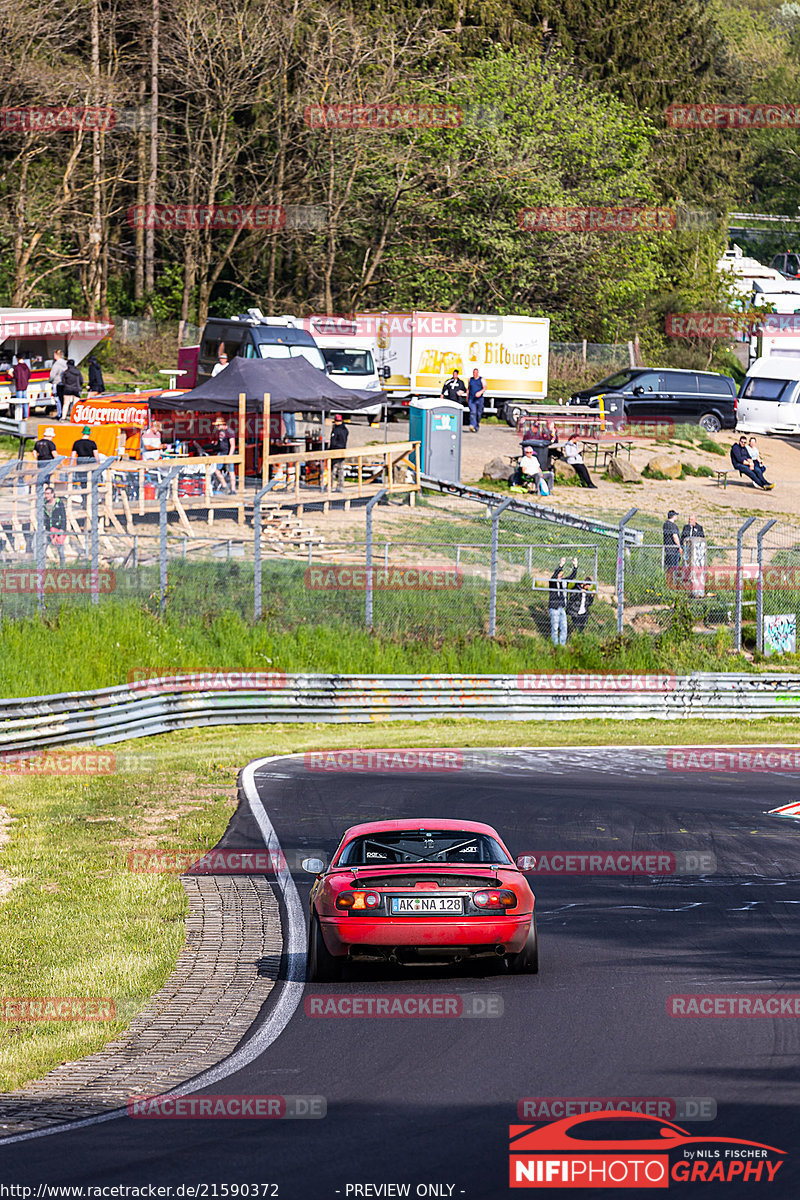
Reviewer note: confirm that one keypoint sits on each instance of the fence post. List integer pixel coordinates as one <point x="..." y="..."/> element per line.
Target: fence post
<point x="162" y="492"/>
<point x="496" y="515"/>
<point x="41" y="542"/>
<point x="368" y="590"/>
<point x="760" y="584"/>
<point x="621" y="567"/>
<point x="259" y="496"/>
<point x="96" y="473"/>
<point x="739" y="581"/>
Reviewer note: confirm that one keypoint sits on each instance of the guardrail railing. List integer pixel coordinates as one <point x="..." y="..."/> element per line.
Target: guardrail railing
<point x="150" y="706"/>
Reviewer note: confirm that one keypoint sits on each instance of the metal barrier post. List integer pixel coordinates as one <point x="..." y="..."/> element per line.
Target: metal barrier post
<point x="496" y="515"/>
<point x="739" y="581"/>
<point x="368" y="590"/>
<point x="259" y="496"/>
<point x="41" y="543"/>
<point x="621" y="567"/>
<point x="162" y="492"/>
<point x="760" y="583"/>
<point x="96" y="473"/>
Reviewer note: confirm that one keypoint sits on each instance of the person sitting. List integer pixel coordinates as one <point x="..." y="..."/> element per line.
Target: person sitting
<point x="745" y="465"/>
<point x="529" y="471"/>
<point x="574" y="458"/>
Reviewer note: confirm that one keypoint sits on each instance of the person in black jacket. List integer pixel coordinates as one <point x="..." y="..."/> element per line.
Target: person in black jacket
<point x="72" y="385"/>
<point x="557" y="603"/>
<point x="96" y="383"/>
<point x="752" y="468"/>
<point x="580" y="599"/>
<point x="55" y="521"/>
<point x="338" y="442"/>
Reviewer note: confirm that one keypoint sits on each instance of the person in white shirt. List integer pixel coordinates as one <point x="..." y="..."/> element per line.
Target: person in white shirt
<point x="573" y="456"/>
<point x="56" y="372"/>
<point x="752" y="450"/>
<point x="220" y="365"/>
<point x="530" y="469"/>
<point x="151" y="440"/>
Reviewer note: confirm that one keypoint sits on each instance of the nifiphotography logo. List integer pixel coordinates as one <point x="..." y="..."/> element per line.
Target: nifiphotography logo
<point x="630" y="1150"/>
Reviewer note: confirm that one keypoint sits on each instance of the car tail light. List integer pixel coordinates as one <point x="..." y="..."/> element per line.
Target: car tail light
<point x="358" y="901"/>
<point x="494" y="899"/>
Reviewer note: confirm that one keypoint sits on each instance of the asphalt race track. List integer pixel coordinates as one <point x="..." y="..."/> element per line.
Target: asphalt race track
<point x="429" y="1101"/>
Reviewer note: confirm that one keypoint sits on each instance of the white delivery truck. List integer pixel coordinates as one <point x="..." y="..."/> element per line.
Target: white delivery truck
<point x="417" y="351"/>
<point x="769" y="398"/>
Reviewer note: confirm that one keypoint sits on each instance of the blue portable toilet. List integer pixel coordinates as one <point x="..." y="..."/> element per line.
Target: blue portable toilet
<point x="437" y="424"/>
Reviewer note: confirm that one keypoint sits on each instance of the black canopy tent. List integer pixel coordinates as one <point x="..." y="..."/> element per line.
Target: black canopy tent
<point x="292" y="384"/>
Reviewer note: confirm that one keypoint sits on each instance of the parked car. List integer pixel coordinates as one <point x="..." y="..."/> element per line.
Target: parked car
<point x="652" y="394"/>
<point x="787" y="264"/>
<point x="769" y="401"/>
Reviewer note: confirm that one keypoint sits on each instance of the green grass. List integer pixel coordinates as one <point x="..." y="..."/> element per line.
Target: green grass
<point x="85" y="648"/>
<point x="78" y="923"/>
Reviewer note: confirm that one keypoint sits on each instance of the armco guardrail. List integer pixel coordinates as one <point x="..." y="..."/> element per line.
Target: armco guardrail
<point x="178" y="702"/>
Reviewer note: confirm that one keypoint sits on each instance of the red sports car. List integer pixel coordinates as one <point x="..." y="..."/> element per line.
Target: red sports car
<point x="426" y="891"/>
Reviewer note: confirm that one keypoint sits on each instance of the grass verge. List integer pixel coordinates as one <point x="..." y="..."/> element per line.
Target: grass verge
<point x="76" y="922"/>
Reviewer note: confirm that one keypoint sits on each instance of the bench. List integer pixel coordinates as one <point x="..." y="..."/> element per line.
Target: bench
<point x="722" y="477"/>
<point x="607" y="452"/>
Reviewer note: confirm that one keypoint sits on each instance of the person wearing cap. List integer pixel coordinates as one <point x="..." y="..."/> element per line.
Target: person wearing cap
<point x="84" y="452"/>
<point x="224" y="444"/>
<point x="220" y="364"/>
<point x="45" y="448"/>
<point x="672" y="541"/>
<point x="338" y="442"/>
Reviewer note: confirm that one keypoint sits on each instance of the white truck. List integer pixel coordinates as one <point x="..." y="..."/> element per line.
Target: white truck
<point x="350" y="359"/>
<point x="417" y="351"/>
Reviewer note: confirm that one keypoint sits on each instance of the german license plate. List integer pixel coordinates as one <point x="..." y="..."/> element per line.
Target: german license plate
<point x="411" y="906"/>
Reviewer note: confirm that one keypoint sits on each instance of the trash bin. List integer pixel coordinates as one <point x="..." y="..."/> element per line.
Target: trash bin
<point x="436" y="424"/>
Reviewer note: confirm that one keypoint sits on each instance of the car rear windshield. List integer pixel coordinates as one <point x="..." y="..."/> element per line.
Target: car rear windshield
<point x="422" y="846"/>
<point x="766" y="389"/>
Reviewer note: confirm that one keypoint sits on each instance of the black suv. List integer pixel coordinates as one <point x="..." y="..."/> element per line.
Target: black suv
<point x="683" y="397"/>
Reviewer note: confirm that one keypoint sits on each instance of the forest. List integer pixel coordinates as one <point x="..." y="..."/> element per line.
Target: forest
<point x="121" y="122"/>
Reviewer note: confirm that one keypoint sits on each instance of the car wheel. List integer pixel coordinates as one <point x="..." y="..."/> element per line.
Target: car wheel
<point x="527" y="961"/>
<point x="710" y="423"/>
<point x="513" y="414"/>
<point x="323" y="967"/>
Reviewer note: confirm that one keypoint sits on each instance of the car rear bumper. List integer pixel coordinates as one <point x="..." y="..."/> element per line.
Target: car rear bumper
<point x="341" y="934"/>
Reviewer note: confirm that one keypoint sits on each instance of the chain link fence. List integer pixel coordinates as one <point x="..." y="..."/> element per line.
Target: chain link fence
<point x="447" y="568"/>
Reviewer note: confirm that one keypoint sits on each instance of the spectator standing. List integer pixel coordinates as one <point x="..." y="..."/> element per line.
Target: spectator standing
<point x="338" y="441"/>
<point x="22" y="374"/>
<point x="557" y="602"/>
<point x="225" y="443"/>
<point x="454" y="389"/>
<point x="746" y="465"/>
<point x="72" y="384"/>
<point x="55" y="521"/>
<point x="580" y="599"/>
<point x="84" y="452"/>
<point x="96" y="383"/>
<point x="692" y="529"/>
<point x="573" y="456"/>
<point x="57" y="380"/>
<point x="151" y="440"/>
<point x="672" y="541"/>
<point x="475" y="392"/>
<point x="45" y="448"/>
<point x="220" y="364"/>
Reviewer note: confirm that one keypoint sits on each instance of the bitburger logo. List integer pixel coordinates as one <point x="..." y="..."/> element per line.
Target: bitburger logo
<point x="630" y="1150"/>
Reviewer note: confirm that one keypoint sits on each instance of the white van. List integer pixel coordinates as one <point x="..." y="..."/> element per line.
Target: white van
<point x="769" y="398"/>
<point x="350" y="362"/>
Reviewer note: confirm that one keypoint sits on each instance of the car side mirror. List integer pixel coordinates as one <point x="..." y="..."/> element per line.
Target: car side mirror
<point x="385" y="372"/>
<point x="638" y="391"/>
<point x="526" y="862"/>
<point x="314" y="866"/>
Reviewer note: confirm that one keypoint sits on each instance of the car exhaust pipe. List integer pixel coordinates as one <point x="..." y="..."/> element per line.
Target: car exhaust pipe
<point x="499" y="950"/>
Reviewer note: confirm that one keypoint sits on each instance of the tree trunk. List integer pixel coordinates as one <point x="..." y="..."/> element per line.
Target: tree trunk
<point x="152" y="182"/>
